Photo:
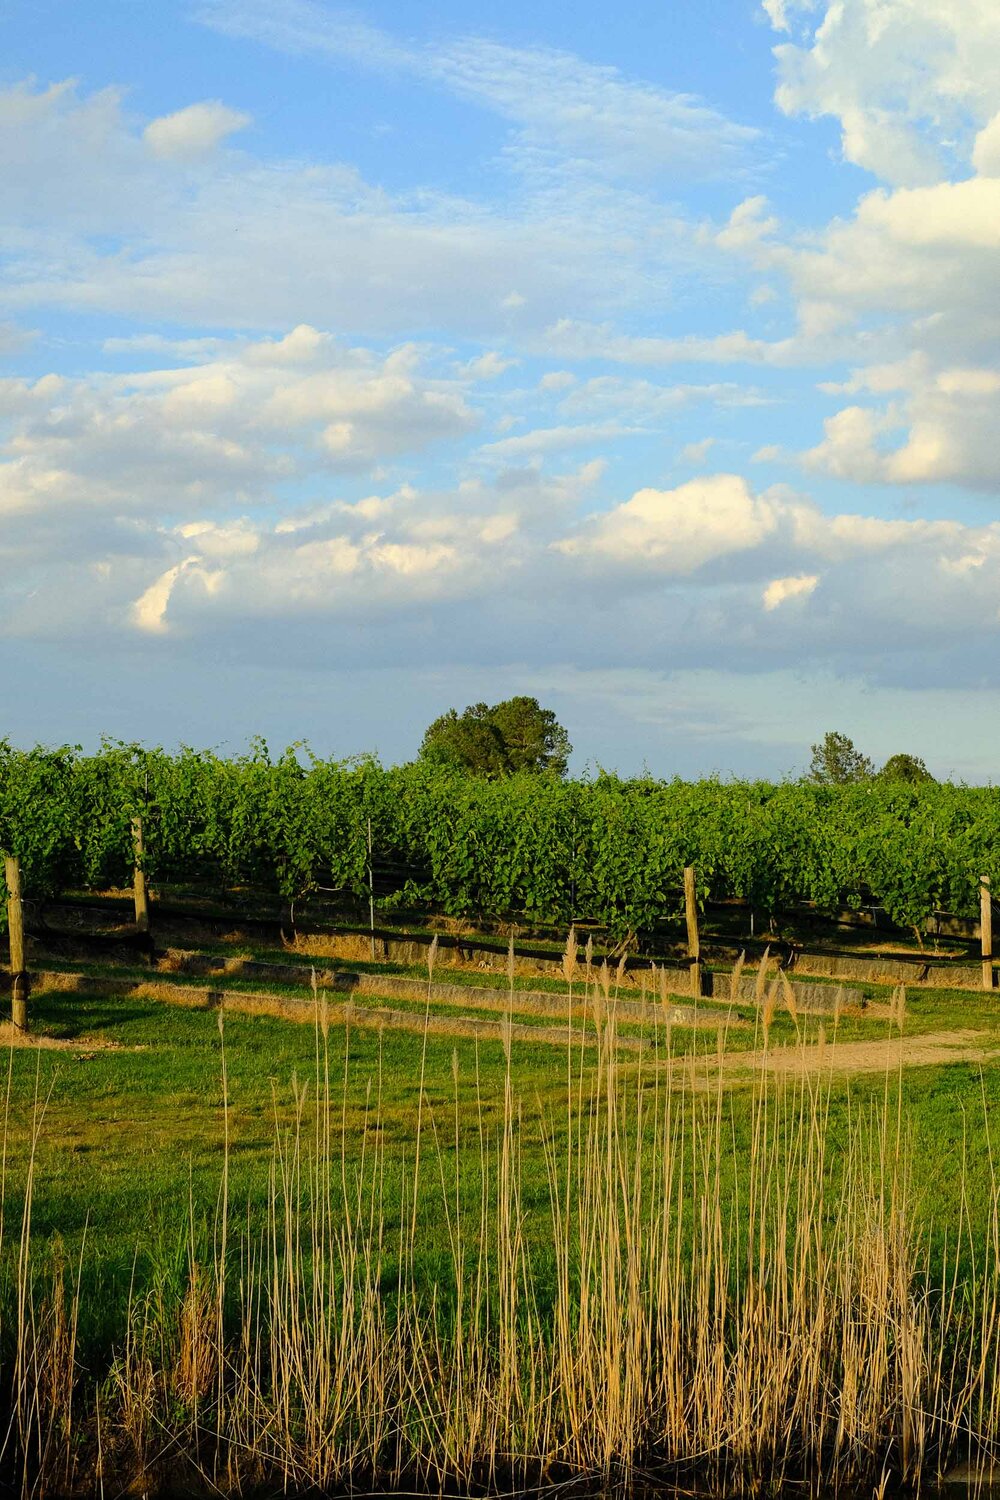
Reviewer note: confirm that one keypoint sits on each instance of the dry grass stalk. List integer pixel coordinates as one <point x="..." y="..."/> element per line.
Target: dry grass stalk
<point x="760" y="983"/>
<point x="569" y="956"/>
<point x="735" y="977"/>
<point x="196" y="1360"/>
<point x="788" y="995"/>
<point x="749" y="1329"/>
<point x="898" y="1006"/>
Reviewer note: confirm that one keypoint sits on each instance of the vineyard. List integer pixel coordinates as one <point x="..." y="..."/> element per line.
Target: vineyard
<point x="411" y="1117"/>
<point x="533" y="849"/>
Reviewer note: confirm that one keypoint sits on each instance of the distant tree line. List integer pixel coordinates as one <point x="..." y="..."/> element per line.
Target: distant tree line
<point x="836" y="761"/>
<point x="518" y="735"/>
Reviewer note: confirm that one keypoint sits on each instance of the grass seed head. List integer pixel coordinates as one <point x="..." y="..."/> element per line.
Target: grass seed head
<point x="569" y="956"/>
<point x="760" y="985"/>
<point x="788" y="995"/>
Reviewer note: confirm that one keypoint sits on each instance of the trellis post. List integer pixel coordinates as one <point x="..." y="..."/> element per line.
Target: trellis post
<point x="140" y="893"/>
<point x="15" y="932"/>
<point x="691" y="917"/>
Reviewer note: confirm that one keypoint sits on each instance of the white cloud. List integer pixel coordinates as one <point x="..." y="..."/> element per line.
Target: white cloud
<point x="943" y="431"/>
<point x="225" y="432"/>
<point x="677" y="531"/>
<point x="986" y="150"/>
<point x="529" y="445"/>
<point x="780" y="590"/>
<point x="763" y="294"/>
<point x="564" y="110"/>
<point x="193" y="131"/>
<point x="901" y="76"/>
<point x="13" y="339"/>
<point x="251" y="480"/>
<point x="708" y="572"/>
<point x="149" y="612"/>
<point x="487" y="366"/>
<point x="94" y="220"/>
<point x="639" y="400"/>
<point x="575" y="339"/>
<point x="564" y="107"/>
<point x="557" y="380"/>
<point x="696" y="453"/>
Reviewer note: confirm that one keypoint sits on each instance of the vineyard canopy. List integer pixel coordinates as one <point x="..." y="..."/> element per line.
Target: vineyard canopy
<point x="526" y="847"/>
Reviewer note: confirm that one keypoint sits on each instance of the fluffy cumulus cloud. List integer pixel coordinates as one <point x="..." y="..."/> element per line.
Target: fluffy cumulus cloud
<point x="679" y="530"/>
<point x="902" y="77"/>
<point x="709" y="573"/>
<point x="942" y="430"/>
<point x="904" y="282"/>
<point x="156" y="506"/>
<point x="226" y="431"/>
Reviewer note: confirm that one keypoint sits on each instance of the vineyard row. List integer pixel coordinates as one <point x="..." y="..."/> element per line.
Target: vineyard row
<point x="536" y="848"/>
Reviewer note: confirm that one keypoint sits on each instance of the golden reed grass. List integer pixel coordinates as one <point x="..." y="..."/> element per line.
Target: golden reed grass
<point x="678" y="1310"/>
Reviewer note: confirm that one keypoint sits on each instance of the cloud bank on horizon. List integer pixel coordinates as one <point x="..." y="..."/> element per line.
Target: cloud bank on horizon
<point x="659" y="380"/>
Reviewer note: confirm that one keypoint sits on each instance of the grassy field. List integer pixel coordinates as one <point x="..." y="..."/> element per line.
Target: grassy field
<point x="462" y="1203"/>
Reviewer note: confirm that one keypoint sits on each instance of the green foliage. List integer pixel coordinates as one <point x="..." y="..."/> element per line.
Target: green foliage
<point x="909" y="768"/>
<point x="466" y="741"/>
<point x="835" y="760"/>
<point x="513" y="736"/>
<point x="523" y="846"/>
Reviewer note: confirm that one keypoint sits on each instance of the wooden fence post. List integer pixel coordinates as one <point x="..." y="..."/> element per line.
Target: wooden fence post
<point x="986" y="930"/>
<point x="691" y="916"/>
<point x="15" y="932"/>
<point x="139" y="892"/>
<point x="371" y="891"/>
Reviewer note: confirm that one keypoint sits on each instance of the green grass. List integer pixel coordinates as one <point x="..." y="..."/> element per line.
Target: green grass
<point x="151" y="1107"/>
<point x="130" y="1150"/>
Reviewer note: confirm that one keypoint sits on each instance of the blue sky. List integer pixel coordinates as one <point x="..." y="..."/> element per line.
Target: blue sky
<point x="359" y="362"/>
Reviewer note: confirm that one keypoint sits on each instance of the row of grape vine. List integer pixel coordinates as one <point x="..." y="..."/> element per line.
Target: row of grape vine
<point x="531" y="847"/>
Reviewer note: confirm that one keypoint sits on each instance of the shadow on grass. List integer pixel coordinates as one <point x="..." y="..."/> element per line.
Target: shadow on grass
<point x="59" y="1014"/>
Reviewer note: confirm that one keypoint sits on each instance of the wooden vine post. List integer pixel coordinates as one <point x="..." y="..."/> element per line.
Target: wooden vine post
<point x="140" y="893"/>
<point x="371" y="891"/>
<point x="15" y="932"/>
<point x="691" y="915"/>
<point x="986" y="930"/>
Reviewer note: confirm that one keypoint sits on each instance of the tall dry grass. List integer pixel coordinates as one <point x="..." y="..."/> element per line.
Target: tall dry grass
<point x="732" y="1313"/>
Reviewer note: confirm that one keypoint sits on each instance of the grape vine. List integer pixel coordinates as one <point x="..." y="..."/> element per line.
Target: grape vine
<point x="528" y="847"/>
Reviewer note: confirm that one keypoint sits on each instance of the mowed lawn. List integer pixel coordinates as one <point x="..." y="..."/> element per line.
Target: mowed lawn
<point x="129" y="1124"/>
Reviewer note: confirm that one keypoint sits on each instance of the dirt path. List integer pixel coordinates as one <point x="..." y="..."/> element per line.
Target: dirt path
<point x="887" y="1054"/>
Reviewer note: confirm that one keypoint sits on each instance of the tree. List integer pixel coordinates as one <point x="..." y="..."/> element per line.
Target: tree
<point x="908" y="768"/>
<point x="533" y="738"/>
<point x="835" y="761"/>
<point x="468" y="741"/>
<point x="516" y="735"/>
